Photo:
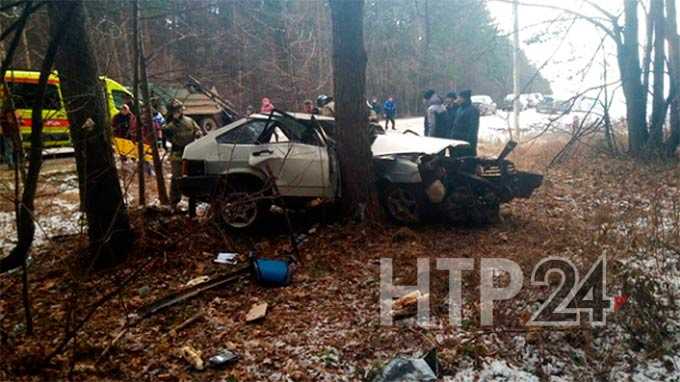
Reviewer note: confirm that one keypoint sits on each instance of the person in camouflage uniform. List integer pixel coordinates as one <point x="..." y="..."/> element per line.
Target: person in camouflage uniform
<point x="180" y="131"/>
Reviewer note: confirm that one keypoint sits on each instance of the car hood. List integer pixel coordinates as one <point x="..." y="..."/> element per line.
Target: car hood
<point x="392" y="144"/>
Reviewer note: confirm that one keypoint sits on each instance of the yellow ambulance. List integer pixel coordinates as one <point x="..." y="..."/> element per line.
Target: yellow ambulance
<point x="23" y="85"/>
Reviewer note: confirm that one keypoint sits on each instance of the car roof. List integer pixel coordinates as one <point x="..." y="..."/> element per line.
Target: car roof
<point x="264" y="117"/>
<point x="301" y="116"/>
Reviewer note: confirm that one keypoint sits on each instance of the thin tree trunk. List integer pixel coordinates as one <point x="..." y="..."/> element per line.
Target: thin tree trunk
<point x="349" y="77"/>
<point x="674" y="69"/>
<point x="148" y="121"/>
<point x="27" y="51"/>
<point x="135" y="95"/>
<point x="14" y="259"/>
<point x="107" y="219"/>
<point x="647" y="57"/>
<point x="25" y="223"/>
<point x="655" y="141"/>
<point x="606" y="117"/>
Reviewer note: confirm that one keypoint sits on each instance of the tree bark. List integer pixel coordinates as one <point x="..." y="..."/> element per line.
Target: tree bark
<point x="349" y="77"/>
<point x="655" y="141"/>
<point x="629" y="63"/>
<point x="135" y="107"/>
<point x="101" y="197"/>
<point x="674" y="69"/>
<point x="647" y="55"/>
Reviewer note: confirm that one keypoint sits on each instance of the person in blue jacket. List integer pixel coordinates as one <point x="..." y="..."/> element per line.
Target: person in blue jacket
<point x="390" y="111"/>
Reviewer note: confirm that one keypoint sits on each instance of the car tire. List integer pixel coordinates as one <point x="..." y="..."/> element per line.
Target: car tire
<point x="241" y="203"/>
<point x="402" y="202"/>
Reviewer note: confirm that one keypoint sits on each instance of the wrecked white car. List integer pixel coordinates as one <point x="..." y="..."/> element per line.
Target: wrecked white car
<point x="242" y="169"/>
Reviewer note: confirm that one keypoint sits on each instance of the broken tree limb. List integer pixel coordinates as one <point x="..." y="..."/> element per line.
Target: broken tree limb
<point x="187" y="322"/>
<point x="191" y="292"/>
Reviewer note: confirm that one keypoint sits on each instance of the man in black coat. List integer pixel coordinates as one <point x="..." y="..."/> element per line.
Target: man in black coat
<point x="466" y="123"/>
<point x="451" y="102"/>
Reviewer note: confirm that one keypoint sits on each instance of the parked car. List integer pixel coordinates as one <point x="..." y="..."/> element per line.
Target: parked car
<point x="551" y="105"/>
<point x="243" y="168"/>
<point x="508" y="100"/>
<point x="485" y="104"/>
<point x="533" y="99"/>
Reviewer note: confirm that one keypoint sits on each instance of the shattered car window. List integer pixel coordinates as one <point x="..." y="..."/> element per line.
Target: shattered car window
<point x="302" y="133"/>
<point x="243" y="135"/>
<point x="279" y="136"/>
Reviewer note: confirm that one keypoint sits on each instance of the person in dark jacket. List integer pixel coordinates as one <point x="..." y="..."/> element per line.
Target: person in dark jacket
<point x="124" y="123"/>
<point x="466" y="124"/>
<point x="434" y="111"/>
<point x="451" y="103"/>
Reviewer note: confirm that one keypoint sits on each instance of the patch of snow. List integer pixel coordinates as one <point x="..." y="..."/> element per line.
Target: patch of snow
<point x="494" y="370"/>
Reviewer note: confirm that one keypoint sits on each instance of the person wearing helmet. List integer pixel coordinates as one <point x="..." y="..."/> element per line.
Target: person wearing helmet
<point x="180" y="131"/>
<point x="326" y="105"/>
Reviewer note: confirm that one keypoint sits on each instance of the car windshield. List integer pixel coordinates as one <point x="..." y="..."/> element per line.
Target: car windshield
<point x="246" y="134"/>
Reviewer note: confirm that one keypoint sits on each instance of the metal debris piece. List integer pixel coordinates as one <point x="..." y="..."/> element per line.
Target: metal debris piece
<point x="226" y="258"/>
<point x="222" y="358"/>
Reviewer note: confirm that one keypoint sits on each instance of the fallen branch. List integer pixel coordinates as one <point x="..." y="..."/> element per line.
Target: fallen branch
<point x="187" y="322"/>
<point x="183" y="295"/>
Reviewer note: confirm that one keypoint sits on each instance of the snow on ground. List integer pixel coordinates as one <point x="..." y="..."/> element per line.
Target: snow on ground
<point x="57" y="208"/>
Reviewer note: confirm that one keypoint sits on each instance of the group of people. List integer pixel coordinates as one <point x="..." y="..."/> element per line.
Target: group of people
<point x="175" y="128"/>
<point x="388" y="110"/>
<point x="453" y="118"/>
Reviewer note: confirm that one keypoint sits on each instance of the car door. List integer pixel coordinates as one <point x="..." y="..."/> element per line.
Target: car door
<point x="298" y="164"/>
<point x="235" y="147"/>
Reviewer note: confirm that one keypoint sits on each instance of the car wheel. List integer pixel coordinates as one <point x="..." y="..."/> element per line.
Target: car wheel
<point x="402" y="203"/>
<point x="241" y="204"/>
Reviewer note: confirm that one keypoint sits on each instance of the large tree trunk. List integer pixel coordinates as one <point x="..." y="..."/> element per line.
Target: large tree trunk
<point x="655" y="141"/>
<point x="349" y="77"/>
<point x="674" y="69"/>
<point x="629" y="64"/>
<point x="101" y="196"/>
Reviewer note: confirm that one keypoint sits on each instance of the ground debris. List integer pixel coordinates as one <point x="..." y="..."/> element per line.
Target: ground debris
<point x="257" y="312"/>
<point x="192" y="356"/>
